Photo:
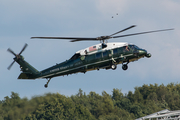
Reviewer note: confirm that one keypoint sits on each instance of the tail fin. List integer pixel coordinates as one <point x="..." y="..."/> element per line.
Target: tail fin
<point x="28" y="71"/>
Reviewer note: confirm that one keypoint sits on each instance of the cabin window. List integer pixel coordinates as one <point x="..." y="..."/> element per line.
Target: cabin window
<point x="115" y="51"/>
<point x="91" y="57"/>
<point x="120" y="50"/>
<point x="98" y="55"/>
<point x="105" y="54"/>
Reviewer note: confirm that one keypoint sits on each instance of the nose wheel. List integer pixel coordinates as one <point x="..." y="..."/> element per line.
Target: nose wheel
<point x="125" y="67"/>
<point x="46" y="85"/>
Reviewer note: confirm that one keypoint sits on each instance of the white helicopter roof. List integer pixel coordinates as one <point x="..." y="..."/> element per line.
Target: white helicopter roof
<point x="98" y="48"/>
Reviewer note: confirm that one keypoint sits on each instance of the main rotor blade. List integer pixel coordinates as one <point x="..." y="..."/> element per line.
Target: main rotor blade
<point x="9" y="50"/>
<point x="11" y="65"/>
<point x="123" y="30"/>
<point x="70" y="38"/>
<point x="76" y="40"/>
<point x="23" y="48"/>
<point x="141" y="33"/>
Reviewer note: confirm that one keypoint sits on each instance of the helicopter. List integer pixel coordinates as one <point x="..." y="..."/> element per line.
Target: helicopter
<point x="100" y="56"/>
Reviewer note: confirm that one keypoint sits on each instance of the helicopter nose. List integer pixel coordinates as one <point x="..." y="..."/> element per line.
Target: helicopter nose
<point x="148" y="55"/>
<point x="142" y="52"/>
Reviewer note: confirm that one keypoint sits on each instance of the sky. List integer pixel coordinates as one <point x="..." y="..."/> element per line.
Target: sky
<point x="20" y="20"/>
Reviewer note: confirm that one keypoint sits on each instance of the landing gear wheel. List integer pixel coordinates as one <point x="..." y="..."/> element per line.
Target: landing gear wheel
<point x="113" y="66"/>
<point x="46" y="85"/>
<point x="125" y="67"/>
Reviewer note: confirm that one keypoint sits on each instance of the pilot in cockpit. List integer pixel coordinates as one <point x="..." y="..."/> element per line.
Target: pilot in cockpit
<point x="127" y="49"/>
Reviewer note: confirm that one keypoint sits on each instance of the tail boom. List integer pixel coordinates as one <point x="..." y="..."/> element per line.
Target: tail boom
<point x="28" y="71"/>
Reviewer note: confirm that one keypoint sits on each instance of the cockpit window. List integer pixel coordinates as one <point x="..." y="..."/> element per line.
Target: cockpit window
<point x="136" y="47"/>
<point x="75" y="56"/>
<point x="125" y="49"/>
<point x="133" y="47"/>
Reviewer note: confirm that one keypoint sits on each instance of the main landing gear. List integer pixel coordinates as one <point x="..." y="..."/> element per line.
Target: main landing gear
<point x="46" y="85"/>
<point x="113" y="66"/>
<point x="125" y="66"/>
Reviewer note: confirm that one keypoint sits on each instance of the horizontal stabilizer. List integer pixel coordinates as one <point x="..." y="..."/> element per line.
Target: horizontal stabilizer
<point x="25" y="76"/>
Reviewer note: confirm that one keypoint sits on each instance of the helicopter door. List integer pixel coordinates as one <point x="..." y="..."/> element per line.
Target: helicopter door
<point x="98" y="60"/>
<point x="115" y="52"/>
<point x="120" y="51"/>
<point x="105" y="55"/>
<point x="98" y="56"/>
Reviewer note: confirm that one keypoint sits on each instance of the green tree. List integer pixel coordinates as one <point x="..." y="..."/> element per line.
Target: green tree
<point x="117" y="94"/>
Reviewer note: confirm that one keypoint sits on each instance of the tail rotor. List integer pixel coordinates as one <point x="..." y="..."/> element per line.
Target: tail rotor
<point x="17" y="56"/>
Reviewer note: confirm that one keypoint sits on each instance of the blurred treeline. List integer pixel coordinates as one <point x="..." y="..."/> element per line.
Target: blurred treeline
<point x="118" y="106"/>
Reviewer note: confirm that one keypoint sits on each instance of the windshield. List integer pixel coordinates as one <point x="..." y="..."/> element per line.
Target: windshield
<point x="134" y="47"/>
